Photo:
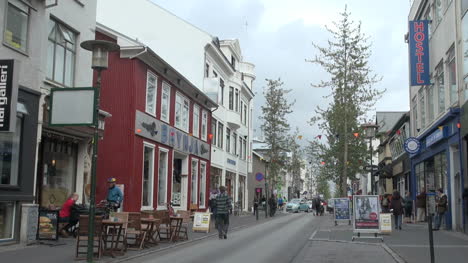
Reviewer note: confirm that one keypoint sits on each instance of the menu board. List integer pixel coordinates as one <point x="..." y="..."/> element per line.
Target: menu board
<point x="48" y="225"/>
<point x="201" y="222"/>
<point x="366" y="213"/>
<point x="385" y="223"/>
<point x="341" y="209"/>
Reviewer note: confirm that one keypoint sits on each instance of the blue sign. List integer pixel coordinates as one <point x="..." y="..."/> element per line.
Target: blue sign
<point x="259" y="177"/>
<point x="229" y="161"/>
<point x="419" y="52"/>
<point x="434" y="137"/>
<point x="341" y="208"/>
<point x="412" y="145"/>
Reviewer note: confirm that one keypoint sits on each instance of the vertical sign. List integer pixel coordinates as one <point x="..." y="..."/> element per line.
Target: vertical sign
<point x="8" y="95"/>
<point x="419" y="52"/>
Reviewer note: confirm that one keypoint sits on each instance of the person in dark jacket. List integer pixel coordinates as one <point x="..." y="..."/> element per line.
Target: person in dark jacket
<point x="255" y="204"/>
<point x="397" y="205"/>
<point x="408" y="207"/>
<point x="223" y="202"/>
<point x="421" y="206"/>
<point x="441" y="208"/>
<point x="272" y="203"/>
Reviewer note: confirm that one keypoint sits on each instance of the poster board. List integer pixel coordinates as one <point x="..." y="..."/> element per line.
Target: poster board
<point x="386" y="223"/>
<point x="341" y="209"/>
<point x="366" y="214"/>
<point x="201" y="222"/>
<point x="48" y="225"/>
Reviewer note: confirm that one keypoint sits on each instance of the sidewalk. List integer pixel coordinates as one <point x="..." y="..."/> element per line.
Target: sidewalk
<point x="63" y="250"/>
<point x="410" y="245"/>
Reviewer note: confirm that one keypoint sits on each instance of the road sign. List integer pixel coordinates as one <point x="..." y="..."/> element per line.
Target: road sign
<point x="373" y="168"/>
<point x="259" y="177"/>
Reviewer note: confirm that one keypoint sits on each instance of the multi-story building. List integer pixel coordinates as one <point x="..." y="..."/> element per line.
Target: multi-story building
<point x="43" y="38"/>
<point x="435" y="111"/>
<point x="215" y="67"/>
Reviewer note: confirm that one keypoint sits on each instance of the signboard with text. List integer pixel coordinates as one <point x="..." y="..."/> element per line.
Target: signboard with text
<point x="201" y="222"/>
<point x="366" y="213"/>
<point x="341" y="209"/>
<point x="419" y="52"/>
<point x="8" y="94"/>
<point x="386" y="223"/>
<point x="48" y="225"/>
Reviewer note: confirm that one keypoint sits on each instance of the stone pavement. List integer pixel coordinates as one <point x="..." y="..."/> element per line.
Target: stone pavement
<point x="63" y="250"/>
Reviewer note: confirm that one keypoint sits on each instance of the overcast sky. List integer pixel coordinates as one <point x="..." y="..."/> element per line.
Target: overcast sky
<point x="276" y="36"/>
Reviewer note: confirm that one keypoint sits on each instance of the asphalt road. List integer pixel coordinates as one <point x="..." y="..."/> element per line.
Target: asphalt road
<point x="279" y="240"/>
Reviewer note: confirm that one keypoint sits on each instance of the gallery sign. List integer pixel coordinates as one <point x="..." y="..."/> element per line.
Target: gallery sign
<point x="419" y="52"/>
<point x="8" y="94"/>
<point x="153" y="129"/>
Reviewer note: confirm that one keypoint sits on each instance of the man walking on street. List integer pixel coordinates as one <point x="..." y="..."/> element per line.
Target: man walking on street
<point x="223" y="203"/>
<point x="441" y="208"/>
<point x="421" y="206"/>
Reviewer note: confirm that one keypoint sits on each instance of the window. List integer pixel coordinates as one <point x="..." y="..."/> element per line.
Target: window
<point x="214" y="125"/>
<point x="242" y="111"/>
<point x="464" y="5"/>
<point x="415" y="115"/>
<point x="215" y="75"/>
<point x="165" y="102"/>
<point x="245" y="148"/>
<point x="61" y="54"/>
<point x="9" y="159"/>
<point x="181" y="112"/>
<point x="241" y="152"/>
<point x="430" y="103"/>
<point x="220" y="135"/>
<point x="234" y="141"/>
<point x="422" y="108"/>
<point x="440" y="86"/>
<point x="228" y="140"/>
<point x="452" y="68"/>
<point x="194" y="182"/>
<point x="231" y="98"/>
<point x="245" y="114"/>
<point x="428" y="16"/>
<point x="207" y="70"/>
<point x="16" y="27"/>
<point x="237" y="100"/>
<point x="151" y="81"/>
<point x="202" y="184"/>
<point x="221" y="91"/>
<point x="204" y="125"/>
<point x="196" y="121"/>
<point x="7" y="222"/>
<point x="438" y="12"/>
<point x="148" y="176"/>
<point x="233" y="62"/>
<point x="162" y="178"/>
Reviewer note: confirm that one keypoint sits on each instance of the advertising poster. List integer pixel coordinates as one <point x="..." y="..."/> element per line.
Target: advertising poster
<point x="386" y="223"/>
<point x="48" y="225"/>
<point x="366" y="213"/>
<point x="341" y="209"/>
<point x="201" y="222"/>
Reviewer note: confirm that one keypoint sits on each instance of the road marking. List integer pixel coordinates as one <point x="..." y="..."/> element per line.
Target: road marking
<point x="426" y="246"/>
<point x="313" y="235"/>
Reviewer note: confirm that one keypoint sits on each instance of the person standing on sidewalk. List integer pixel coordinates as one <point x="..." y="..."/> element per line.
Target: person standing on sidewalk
<point x="255" y="205"/>
<point x="397" y="205"/>
<point x="223" y="203"/>
<point x="385" y="204"/>
<point x="408" y="207"/>
<point x="441" y="208"/>
<point x="421" y="206"/>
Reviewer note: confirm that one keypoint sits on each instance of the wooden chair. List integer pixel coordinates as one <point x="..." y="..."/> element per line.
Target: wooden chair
<point x="123" y="216"/>
<point x="134" y="231"/>
<point x="164" y="228"/>
<point x="193" y="209"/>
<point x="82" y="237"/>
<point x="185" y="223"/>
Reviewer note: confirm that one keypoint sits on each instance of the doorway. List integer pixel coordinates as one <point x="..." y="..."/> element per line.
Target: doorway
<point x="179" y="181"/>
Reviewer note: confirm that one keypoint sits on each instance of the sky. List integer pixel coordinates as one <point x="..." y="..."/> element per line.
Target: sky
<point x="277" y="37"/>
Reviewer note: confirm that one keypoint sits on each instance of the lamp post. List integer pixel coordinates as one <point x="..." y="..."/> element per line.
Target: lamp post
<point x="100" y="49"/>
<point x="369" y="130"/>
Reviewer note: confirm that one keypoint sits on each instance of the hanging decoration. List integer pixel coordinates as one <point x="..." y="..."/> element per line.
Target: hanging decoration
<point x="398" y="132"/>
<point x="356" y="134"/>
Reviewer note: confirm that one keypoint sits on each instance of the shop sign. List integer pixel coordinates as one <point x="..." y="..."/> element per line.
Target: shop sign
<point x="48" y="225"/>
<point x="367" y="212"/>
<point x="419" y="52"/>
<point x="8" y="94"/>
<point x="153" y="129"/>
<point x="434" y="137"/>
<point x="201" y="222"/>
<point x="412" y="145"/>
<point x="341" y="209"/>
<point x="230" y="161"/>
<point x="386" y="223"/>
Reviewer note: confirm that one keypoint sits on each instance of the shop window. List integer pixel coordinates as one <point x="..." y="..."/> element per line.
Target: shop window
<point x="9" y="155"/>
<point x="204" y="125"/>
<point x="7" y="220"/>
<point x="61" y="50"/>
<point x="148" y="176"/>
<point x="220" y="135"/>
<point x="194" y="183"/>
<point x="16" y="27"/>
<point x="182" y="112"/>
<point x="202" y="184"/>
<point x="196" y="121"/>
<point x="177" y="182"/>
<point x="162" y="177"/>
<point x="151" y="81"/>
<point x="214" y="125"/>
<point x="165" y="102"/>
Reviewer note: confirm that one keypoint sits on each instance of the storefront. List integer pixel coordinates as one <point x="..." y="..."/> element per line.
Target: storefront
<point x="215" y="179"/>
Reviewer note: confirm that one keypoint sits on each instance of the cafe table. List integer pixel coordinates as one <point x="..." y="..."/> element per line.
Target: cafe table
<point x="113" y="229"/>
<point x="152" y="226"/>
<point x="176" y="225"/>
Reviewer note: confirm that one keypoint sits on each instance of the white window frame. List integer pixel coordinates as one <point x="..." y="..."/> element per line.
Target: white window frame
<point x="21" y="7"/>
<point x="151" y="176"/>
<point x="204" y="123"/>
<point x="13" y="229"/>
<point x="196" y="120"/>
<point x="166" y="88"/>
<point x="163" y="207"/>
<point x="196" y="181"/>
<point x="202" y="184"/>
<point x="148" y="75"/>
<point x="183" y="99"/>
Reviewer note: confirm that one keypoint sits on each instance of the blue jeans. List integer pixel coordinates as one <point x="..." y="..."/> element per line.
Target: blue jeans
<point x="398" y="219"/>
<point x="438" y="220"/>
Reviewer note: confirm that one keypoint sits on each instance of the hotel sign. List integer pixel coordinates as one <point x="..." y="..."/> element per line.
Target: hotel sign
<point x="419" y="52"/>
<point x="153" y="129"/>
<point x="8" y="95"/>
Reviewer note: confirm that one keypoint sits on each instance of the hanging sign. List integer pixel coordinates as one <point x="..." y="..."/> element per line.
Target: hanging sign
<point x="412" y="145"/>
<point x="419" y="52"/>
<point x="8" y="95"/>
<point x="201" y="222"/>
<point x="366" y="213"/>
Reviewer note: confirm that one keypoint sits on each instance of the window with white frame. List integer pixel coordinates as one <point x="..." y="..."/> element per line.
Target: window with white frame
<point x="202" y="184"/>
<point x="422" y="108"/>
<point x="228" y="140"/>
<point x="241" y="152"/>
<point x="15" y="33"/>
<point x="194" y="182"/>
<point x="430" y="103"/>
<point x="221" y="92"/>
<point x="207" y="70"/>
<point x="165" y="101"/>
<point x="148" y="176"/>
<point x="61" y="53"/>
<point x="151" y="81"/>
<point x="214" y="125"/>
<point x="234" y="142"/>
<point x="181" y="112"/>
<point x="220" y="135"/>
<point x="428" y="17"/>
<point x="237" y="100"/>
<point x="415" y="115"/>
<point x="438" y="12"/>
<point x="440" y="87"/>
<point x="452" y="68"/>
<point x="231" y="98"/>
<point x="196" y="121"/>
<point x="245" y="148"/>
<point x="204" y="125"/>
<point x="162" y="177"/>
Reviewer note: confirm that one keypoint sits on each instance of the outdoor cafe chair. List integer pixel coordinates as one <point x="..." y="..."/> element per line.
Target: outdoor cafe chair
<point x="82" y="237"/>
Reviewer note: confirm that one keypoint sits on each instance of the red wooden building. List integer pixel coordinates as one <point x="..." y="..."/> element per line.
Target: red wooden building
<point x="157" y="142"/>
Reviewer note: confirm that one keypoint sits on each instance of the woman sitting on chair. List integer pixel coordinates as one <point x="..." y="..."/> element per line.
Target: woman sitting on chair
<point x="65" y="214"/>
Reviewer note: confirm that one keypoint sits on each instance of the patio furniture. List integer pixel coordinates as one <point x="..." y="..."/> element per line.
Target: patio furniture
<point x="185" y="223"/>
<point x="82" y="237"/>
<point x="164" y="229"/>
<point x="135" y="232"/>
<point x="122" y="217"/>
<point x="113" y="233"/>
<point x="176" y="224"/>
<point x="151" y="226"/>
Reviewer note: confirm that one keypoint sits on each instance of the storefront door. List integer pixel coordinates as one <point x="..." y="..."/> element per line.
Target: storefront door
<point x="179" y="182"/>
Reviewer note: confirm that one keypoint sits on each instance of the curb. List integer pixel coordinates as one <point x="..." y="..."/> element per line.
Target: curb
<point x="392" y="253"/>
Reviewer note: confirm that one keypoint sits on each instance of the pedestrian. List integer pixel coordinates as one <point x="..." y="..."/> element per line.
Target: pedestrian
<point x="316" y="204"/>
<point x="212" y="204"/>
<point x="421" y="206"/>
<point x="397" y="205"/>
<point x="272" y="204"/>
<point x="255" y="205"/>
<point x="385" y="204"/>
<point x="408" y="207"/>
<point x="441" y="208"/>
<point x="114" y="195"/>
<point x="223" y="202"/>
<point x="280" y="202"/>
<point x="65" y="215"/>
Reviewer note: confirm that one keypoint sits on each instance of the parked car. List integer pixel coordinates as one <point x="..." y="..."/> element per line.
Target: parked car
<point x="297" y="205"/>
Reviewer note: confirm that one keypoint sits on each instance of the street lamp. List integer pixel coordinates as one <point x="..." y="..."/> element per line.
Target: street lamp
<point x="369" y="132"/>
<point x="100" y="49"/>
